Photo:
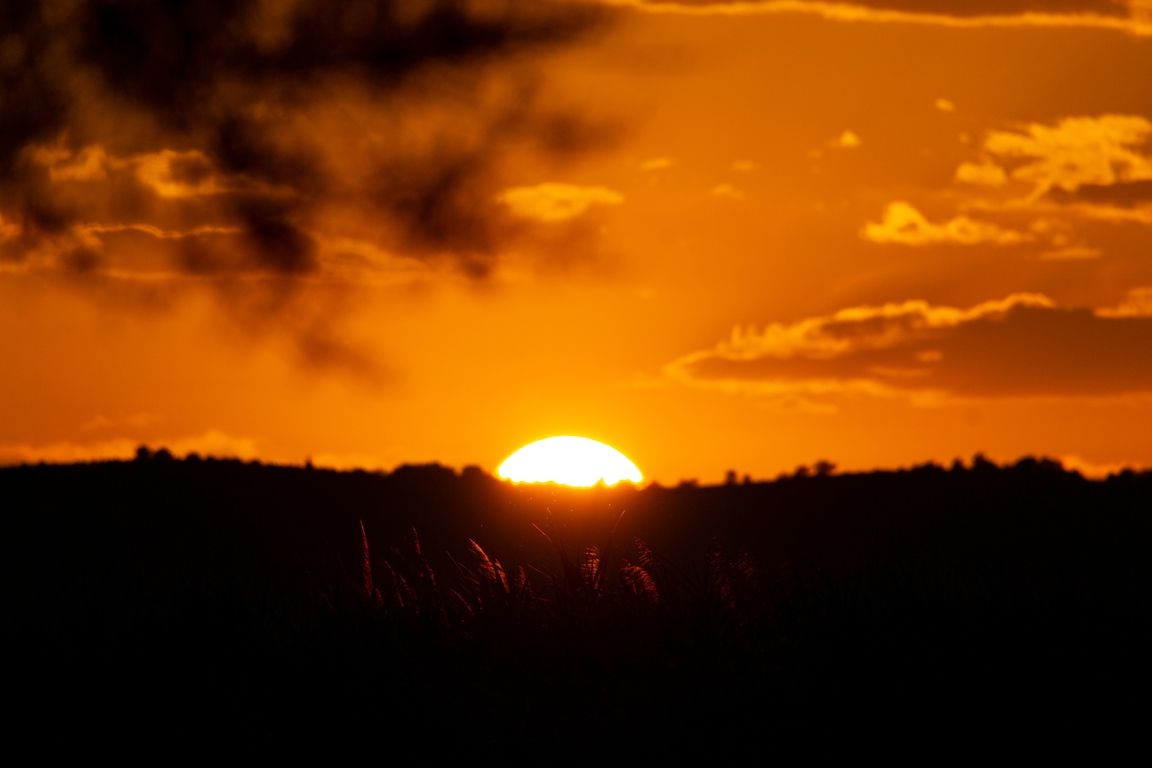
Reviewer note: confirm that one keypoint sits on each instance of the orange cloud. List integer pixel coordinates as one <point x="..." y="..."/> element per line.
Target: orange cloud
<point x="63" y="164"/>
<point x="1077" y="170"/>
<point x="1023" y="345"/>
<point x="183" y="174"/>
<point x="1138" y="303"/>
<point x="210" y="443"/>
<point x="904" y="225"/>
<point x="1132" y="18"/>
<point x="1095" y="469"/>
<point x="553" y="201"/>
<point x="8" y="230"/>
<point x="984" y="174"/>
<point x="1072" y="253"/>
<point x="727" y="192"/>
<point x="847" y="140"/>
<point x="1076" y="152"/>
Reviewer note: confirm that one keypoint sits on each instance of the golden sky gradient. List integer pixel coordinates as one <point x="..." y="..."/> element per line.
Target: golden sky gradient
<point x="743" y="235"/>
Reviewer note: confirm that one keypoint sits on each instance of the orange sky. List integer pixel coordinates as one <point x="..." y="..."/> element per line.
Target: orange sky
<point x="714" y="235"/>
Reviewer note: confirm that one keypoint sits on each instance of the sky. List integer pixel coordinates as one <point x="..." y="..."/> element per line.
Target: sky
<point x="718" y="236"/>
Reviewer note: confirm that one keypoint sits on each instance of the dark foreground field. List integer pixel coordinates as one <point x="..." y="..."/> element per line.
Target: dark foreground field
<point x="162" y="609"/>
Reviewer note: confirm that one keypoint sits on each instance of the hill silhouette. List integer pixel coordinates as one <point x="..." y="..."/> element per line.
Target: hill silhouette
<point x="168" y="608"/>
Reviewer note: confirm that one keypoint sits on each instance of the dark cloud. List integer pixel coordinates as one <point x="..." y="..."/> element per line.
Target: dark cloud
<point x="1124" y="194"/>
<point x="1002" y="7"/>
<point x="242" y="135"/>
<point x="962" y="8"/>
<point x="1022" y="346"/>
<point x="238" y="81"/>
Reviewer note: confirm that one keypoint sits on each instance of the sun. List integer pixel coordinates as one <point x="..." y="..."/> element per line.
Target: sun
<point x="569" y="460"/>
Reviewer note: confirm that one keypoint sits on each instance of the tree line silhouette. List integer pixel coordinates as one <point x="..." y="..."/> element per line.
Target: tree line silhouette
<point x="168" y="607"/>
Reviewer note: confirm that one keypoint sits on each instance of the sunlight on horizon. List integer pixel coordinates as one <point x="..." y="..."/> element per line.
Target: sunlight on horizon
<point x="569" y="460"/>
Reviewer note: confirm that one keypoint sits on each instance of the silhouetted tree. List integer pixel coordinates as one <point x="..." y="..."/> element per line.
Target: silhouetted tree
<point x="1041" y="464"/>
<point x="981" y="463"/>
<point x="472" y="474"/>
<point x="824" y="468"/>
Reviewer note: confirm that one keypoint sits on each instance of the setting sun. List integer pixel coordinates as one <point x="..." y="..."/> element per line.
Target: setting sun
<point x="568" y="460"/>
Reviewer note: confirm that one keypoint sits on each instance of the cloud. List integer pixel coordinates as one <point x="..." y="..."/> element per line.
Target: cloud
<point x="1138" y="303"/>
<point x="259" y="130"/>
<point x="1097" y="470"/>
<point x="904" y="225"/>
<point x="9" y="230"/>
<point x="89" y="164"/>
<point x="657" y="164"/>
<point x="1076" y="152"/>
<point x="727" y="192"/>
<point x="1125" y="194"/>
<point x="286" y="113"/>
<point x="553" y="201"/>
<point x="210" y="443"/>
<point x="1021" y="346"/>
<point x="1130" y="17"/>
<point x="1072" y="253"/>
<point x="1076" y="169"/>
<point x="1112" y="214"/>
<point x="187" y="174"/>
<point x="984" y="174"/>
<point x="944" y="105"/>
<point x="1069" y="210"/>
<point x="847" y="140"/>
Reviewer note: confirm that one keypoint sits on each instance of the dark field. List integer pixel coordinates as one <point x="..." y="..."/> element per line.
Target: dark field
<point x="164" y="609"/>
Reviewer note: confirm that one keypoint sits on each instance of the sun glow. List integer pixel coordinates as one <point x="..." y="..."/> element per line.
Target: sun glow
<point x="569" y="460"/>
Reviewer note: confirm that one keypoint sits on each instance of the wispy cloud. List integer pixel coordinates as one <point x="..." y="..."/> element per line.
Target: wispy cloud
<point x="1075" y="152"/>
<point x="657" y="164"/>
<point x="1075" y="170"/>
<point x="727" y="192"/>
<point x="554" y="201"/>
<point x="983" y="174"/>
<point x="903" y="224"/>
